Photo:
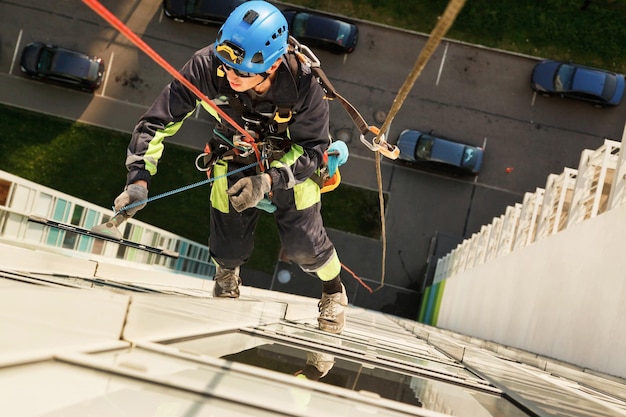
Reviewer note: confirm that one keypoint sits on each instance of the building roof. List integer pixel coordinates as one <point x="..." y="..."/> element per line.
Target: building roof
<point x="85" y="337"/>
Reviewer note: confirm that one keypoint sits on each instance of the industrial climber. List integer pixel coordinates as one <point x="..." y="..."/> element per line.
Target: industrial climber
<point x="253" y="76"/>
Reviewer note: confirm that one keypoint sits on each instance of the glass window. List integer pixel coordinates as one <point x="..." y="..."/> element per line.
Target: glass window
<point x="365" y="369"/>
<point x="424" y="147"/>
<point x="564" y="76"/>
<point x="469" y="157"/>
<point x="299" y="24"/>
<point x="59" y="389"/>
<point x="610" y="85"/>
<point x="45" y="60"/>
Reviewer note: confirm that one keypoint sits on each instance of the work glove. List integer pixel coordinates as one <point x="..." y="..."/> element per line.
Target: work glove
<point x="337" y="156"/>
<point x="132" y="194"/>
<point x="248" y="191"/>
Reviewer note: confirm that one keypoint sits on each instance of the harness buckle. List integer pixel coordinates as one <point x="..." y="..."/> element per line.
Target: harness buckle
<point x="245" y="149"/>
<point x="282" y="118"/>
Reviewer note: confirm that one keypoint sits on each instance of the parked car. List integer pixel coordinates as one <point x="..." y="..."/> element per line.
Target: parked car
<point x="597" y="86"/>
<point x="321" y="31"/>
<point x="419" y="147"/>
<point x="208" y="12"/>
<point x="61" y="65"/>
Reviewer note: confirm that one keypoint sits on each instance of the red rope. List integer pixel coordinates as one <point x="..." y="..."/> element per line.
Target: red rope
<point x="357" y="278"/>
<point x="125" y="30"/>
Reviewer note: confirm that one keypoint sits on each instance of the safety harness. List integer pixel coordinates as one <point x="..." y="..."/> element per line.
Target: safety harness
<point x="269" y="125"/>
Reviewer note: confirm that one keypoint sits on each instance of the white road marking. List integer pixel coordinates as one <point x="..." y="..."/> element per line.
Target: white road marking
<point x="443" y="60"/>
<point x="17" y="48"/>
<point x="108" y="71"/>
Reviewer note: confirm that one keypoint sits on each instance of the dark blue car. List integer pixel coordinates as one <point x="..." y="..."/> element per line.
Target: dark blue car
<point x="416" y="146"/>
<point x="62" y="66"/>
<point x="320" y="31"/>
<point x="564" y="79"/>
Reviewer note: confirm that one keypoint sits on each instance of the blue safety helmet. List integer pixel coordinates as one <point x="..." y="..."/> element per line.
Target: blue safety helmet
<point x="253" y="37"/>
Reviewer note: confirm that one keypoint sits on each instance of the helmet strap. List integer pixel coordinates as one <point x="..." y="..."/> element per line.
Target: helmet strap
<point x="265" y="76"/>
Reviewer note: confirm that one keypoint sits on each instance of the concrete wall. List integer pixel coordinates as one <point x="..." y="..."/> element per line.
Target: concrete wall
<point x="562" y="297"/>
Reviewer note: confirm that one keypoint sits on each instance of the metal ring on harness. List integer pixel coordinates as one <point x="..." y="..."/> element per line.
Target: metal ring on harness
<point x="198" y="167"/>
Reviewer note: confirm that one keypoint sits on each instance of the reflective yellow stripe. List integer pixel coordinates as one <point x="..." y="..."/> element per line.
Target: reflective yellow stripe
<point x="331" y="269"/>
<point x="295" y="152"/>
<point x="306" y="194"/>
<point x="211" y="110"/>
<point x="219" y="198"/>
<point x="155" y="146"/>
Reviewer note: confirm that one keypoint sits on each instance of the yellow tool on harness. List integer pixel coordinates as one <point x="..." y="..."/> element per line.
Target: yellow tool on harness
<point x="331" y="183"/>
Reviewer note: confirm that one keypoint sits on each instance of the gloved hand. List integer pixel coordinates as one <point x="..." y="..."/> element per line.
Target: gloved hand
<point x="339" y="148"/>
<point x="248" y="191"/>
<point x="133" y="193"/>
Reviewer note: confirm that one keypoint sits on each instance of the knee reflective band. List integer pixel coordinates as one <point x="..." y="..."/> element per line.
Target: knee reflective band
<point x="331" y="269"/>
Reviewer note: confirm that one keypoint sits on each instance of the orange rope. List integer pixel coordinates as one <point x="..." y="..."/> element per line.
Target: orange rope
<point x="357" y="278"/>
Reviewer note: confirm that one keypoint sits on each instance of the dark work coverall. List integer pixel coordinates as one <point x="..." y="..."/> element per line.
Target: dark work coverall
<point x="294" y="193"/>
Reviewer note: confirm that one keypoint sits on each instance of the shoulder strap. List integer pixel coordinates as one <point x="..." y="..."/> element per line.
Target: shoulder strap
<point x="294" y="65"/>
<point x="305" y="55"/>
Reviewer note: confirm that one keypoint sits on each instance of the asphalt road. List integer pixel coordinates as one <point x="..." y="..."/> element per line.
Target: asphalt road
<point x="467" y="92"/>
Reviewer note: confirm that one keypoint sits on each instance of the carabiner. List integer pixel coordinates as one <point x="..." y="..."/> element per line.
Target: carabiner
<point x="379" y="144"/>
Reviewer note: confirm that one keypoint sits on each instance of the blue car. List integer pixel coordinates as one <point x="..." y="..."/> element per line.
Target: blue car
<point x="323" y="32"/>
<point x="599" y="87"/>
<point x="63" y="66"/>
<point x="416" y="147"/>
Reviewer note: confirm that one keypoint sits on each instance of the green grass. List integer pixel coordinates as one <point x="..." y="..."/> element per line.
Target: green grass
<point x="556" y="29"/>
<point x="88" y="162"/>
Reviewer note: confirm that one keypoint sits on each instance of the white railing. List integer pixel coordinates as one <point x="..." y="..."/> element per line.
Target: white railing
<point x="573" y="196"/>
<point x="595" y="176"/>
<point x="556" y="203"/>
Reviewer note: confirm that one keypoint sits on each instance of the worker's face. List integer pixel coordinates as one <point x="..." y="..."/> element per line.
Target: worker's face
<point x="241" y="84"/>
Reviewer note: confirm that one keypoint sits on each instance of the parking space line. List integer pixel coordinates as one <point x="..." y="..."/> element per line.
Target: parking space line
<point x="443" y="60"/>
<point x="17" y="48"/>
<point x="108" y="71"/>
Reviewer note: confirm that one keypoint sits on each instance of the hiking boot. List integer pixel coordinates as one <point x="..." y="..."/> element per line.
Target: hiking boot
<point x="332" y="308"/>
<point x="323" y="362"/>
<point x="227" y="282"/>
